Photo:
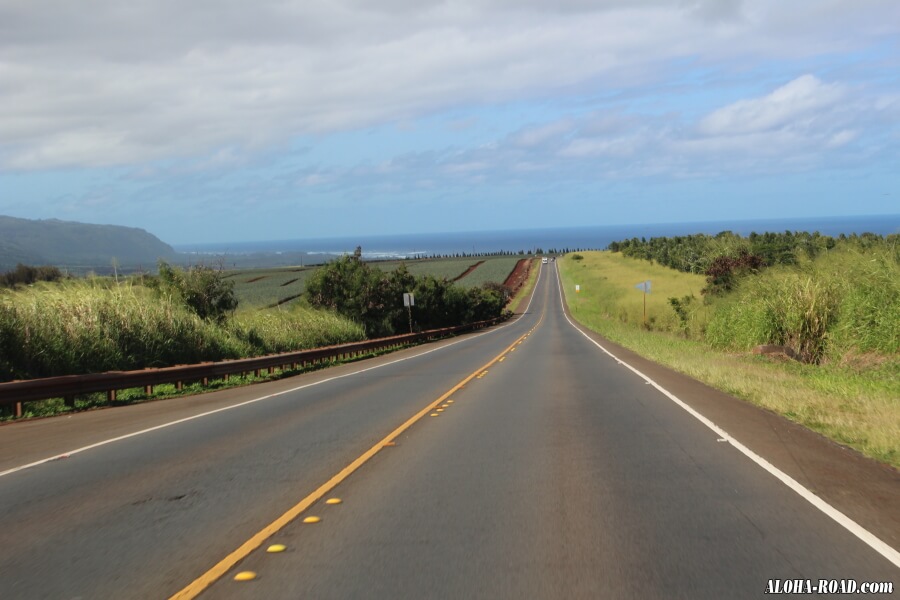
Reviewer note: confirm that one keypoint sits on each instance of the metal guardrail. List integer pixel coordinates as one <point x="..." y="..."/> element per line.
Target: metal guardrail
<point x="68" y="386"/>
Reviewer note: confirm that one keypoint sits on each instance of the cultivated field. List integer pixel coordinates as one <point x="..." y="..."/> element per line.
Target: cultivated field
<point x="266" y="287"/>
<point x="448" y="268"/>
<point x="262" y="288"/>
<point x="492" y="270"/>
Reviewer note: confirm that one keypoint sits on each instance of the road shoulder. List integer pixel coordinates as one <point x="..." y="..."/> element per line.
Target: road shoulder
<point x="864" y="490"/>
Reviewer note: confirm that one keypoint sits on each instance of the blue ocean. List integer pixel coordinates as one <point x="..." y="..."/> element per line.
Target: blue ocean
<point x="513" y="240"/>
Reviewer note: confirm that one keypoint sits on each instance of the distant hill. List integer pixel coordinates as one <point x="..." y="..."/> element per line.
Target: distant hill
<point x="78" y="246"/>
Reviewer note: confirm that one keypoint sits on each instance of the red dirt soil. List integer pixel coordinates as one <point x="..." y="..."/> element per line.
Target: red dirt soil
<point x="519" y="276"/>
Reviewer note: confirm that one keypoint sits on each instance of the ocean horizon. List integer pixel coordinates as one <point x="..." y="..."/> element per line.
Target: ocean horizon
<point x="514" y="240"/>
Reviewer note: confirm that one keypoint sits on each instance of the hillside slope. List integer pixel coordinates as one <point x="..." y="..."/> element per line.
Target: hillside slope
<point x="72" y="244"/>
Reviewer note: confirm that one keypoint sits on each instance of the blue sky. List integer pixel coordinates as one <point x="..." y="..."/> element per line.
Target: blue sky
<point x="234" y="121"/>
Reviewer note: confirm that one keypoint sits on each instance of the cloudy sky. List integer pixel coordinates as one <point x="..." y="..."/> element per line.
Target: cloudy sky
<point x="229" y="120"/>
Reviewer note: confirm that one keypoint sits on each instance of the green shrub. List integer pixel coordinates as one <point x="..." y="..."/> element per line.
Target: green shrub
<point x="204" y="290"/>
<point x="27" y="275"/>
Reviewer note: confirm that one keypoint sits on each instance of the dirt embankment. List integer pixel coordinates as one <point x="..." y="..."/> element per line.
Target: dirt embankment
<point x="518" y="276"/>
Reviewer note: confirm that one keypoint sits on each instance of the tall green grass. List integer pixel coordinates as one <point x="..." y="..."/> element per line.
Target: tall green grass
<point x="91" y="326"/>
<point x="272" y="331"/>
<point x="843" y="303"/>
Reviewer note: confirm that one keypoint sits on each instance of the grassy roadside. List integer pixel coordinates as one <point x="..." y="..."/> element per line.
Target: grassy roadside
<point x="852" y="405"/>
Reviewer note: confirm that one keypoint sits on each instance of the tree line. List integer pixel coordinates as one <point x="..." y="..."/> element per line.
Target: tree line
<point x="28" y="275"/>
<point x="726" y="257"/>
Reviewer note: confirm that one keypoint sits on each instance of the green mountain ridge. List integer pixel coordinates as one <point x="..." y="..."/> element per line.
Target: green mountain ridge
<point x="69" y="244"/>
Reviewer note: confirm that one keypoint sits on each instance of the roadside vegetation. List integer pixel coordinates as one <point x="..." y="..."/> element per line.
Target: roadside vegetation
<point x="374" y="298"/>
<point x="832" y="304"/>
<point x="94" y="325"/>
<point x="266" y="288"/>
<point x="51" y="324"/>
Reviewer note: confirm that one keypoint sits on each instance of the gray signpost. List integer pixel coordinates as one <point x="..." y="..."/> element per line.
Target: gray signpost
<point x="644" y="286"/>
<point x="409" y="301"/>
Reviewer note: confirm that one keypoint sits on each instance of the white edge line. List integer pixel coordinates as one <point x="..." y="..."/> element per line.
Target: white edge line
<point x="843" y="520"/>
<point x="251" y="401"/>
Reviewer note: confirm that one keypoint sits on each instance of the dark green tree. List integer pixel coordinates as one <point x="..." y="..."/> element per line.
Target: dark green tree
<point x="203" y="289"/>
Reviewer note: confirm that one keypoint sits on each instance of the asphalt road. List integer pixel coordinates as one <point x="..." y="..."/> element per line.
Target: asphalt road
<point x="553" y="471"/>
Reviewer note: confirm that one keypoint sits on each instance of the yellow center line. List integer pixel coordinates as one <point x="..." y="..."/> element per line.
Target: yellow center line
<point x="226" y="564"/>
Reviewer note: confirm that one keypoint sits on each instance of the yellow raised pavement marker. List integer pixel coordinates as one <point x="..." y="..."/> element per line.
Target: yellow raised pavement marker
<point x="275" y="548"/>
<point x="312" y="519"/>
<point x="245" y="576"/>
<point x="333" y="501"/>
<point x="224" y="566"/>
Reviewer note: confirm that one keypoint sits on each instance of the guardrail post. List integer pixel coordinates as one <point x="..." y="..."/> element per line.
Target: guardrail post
<point x="205" y="381"/>
<point x="257" y="372"/>
<point x="148" y="390"/>
<point x="19" y="410"/>
<point x="111" y="396"/>
<point x="179" y="385"/>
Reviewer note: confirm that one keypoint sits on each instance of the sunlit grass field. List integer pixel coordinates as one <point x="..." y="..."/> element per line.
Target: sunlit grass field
<point x="853" y="405"/>
<point x="607" y="281"/>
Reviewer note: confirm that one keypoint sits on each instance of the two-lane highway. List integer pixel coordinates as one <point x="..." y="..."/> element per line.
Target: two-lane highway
<point x="549" y="469"/>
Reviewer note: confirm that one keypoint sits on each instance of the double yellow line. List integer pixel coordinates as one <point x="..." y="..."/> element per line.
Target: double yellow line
<point x="226" y="564"/>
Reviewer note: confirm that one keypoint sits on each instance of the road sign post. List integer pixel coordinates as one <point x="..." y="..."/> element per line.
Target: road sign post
<point x="409" y="301"/>
<point x="645" y="287"/>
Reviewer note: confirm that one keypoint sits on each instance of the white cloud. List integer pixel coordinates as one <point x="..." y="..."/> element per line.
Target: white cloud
<point x="799" y="126"/>
<point x="794" y="102"/>
<point x="106" y="82"/>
